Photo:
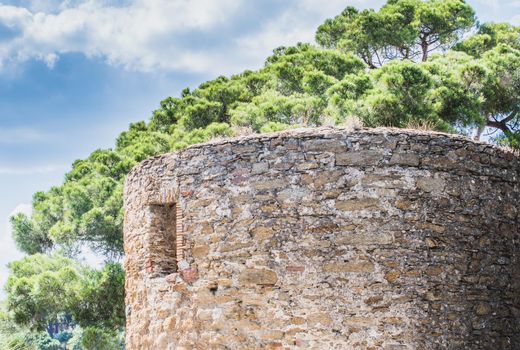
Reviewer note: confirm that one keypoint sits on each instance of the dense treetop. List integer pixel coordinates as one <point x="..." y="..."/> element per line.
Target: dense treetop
<point x="50" y="292"/>
<point x="414" y="63"/>
<point x="402" y="29"/>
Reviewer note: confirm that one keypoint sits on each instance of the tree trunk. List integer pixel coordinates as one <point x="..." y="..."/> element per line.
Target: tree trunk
<point x="424" y="48"/>
<point x="480" y="130"/>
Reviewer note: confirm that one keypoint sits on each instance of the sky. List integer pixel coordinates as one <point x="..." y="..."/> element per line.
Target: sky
<point x="75" y="73"/>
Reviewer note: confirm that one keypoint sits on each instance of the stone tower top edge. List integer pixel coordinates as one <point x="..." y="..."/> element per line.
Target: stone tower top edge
<point x="334" y="132"/>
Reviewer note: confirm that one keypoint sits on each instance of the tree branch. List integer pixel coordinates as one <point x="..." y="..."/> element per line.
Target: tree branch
<point x="510" y="116"/>
<point x="502" y="124"/>
<point x="498" y="125"/>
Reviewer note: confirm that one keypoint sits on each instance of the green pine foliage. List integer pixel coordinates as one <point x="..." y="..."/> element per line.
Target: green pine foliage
<point x="43" y="288"/>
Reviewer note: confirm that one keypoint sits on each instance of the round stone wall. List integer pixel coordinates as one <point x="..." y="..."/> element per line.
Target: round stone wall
<point x="325" y="239"/>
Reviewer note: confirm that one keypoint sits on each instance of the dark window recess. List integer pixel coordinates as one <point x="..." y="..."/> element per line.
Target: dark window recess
<point x="163" y="239"/>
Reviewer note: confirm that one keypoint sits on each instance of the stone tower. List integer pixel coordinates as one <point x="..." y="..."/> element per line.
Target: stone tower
<point x="325" y="239"/>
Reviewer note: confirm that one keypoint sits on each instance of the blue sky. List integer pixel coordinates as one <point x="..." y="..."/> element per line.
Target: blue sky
<point x="75" y="73"/>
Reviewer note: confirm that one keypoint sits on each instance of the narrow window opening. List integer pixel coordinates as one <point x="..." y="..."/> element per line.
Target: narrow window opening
<point x="163" y="239"/>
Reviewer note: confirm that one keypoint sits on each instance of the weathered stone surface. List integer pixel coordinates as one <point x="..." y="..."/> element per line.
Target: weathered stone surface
<point x="357" y="204"/>
<point x="359" y="266"/>
<point x="359" y="158"/>
<point x="408" y="159"/>
<point x="431" y="184"/>
<point x="258" y="276"/>
<point x="189" y="275"/>
<point x="392" y="276"/>
<point x="325" y="239"/>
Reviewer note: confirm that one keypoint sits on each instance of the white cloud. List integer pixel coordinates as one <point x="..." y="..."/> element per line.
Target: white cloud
<point x="167" y="35"/>
<point x="137" y="36"/>
<point x="156" y="35"/>
<point x="14" y="17"/>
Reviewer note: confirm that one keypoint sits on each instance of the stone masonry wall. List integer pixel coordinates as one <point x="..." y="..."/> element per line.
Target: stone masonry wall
<point x="325" y="239"/>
